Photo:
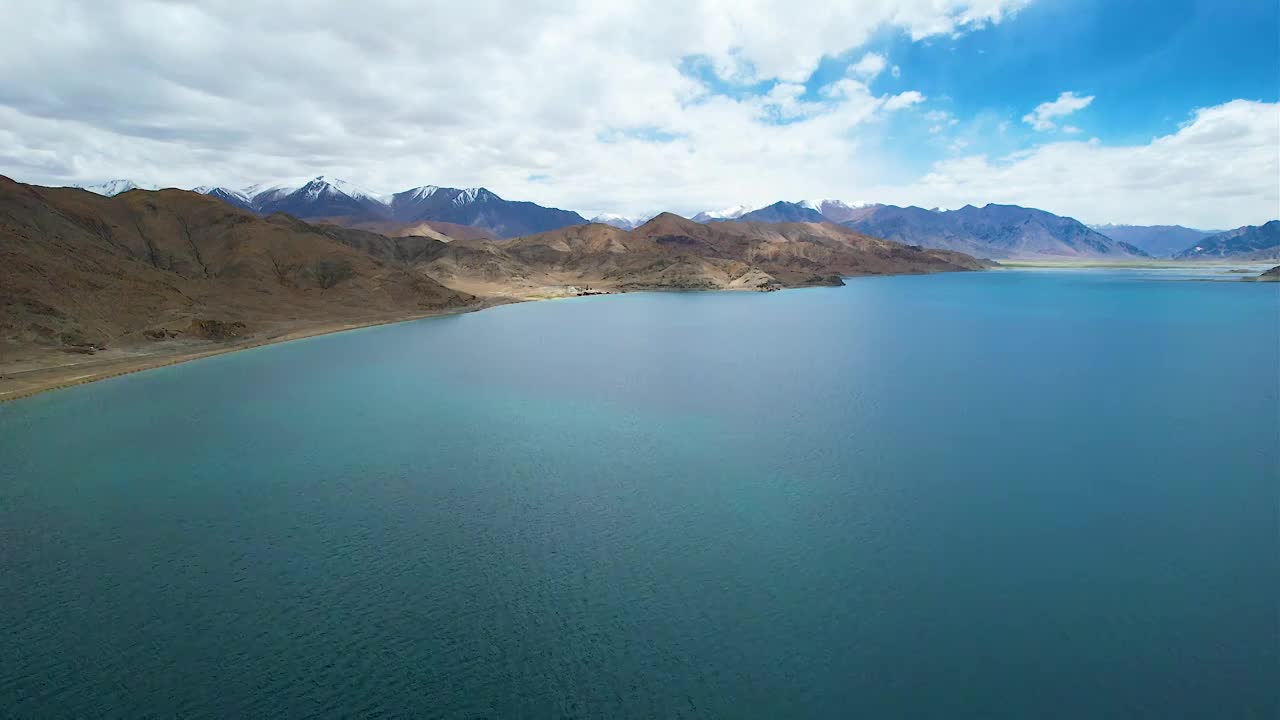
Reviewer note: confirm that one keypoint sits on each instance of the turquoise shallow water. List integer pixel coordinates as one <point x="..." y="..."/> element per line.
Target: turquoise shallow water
<point x="1009" y="494"/>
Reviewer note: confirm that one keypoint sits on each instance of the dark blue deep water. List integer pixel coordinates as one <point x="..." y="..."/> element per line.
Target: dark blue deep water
<point x="1009" y="494"/>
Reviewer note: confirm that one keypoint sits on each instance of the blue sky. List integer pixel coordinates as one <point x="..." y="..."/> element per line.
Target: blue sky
<point x="1139" y="111"/>
<point x="1148" y="63"/>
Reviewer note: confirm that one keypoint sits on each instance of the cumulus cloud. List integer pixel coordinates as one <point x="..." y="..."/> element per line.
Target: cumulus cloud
<point x="590" y="96"/>
<point x="902" y="100"/>
<point x="871" y="65"/>
<point x="1220" y="169"/>
<point x="1043" y="117"/>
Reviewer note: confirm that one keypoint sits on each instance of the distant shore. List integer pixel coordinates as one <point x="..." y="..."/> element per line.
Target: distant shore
<point x="1150" y="263"/>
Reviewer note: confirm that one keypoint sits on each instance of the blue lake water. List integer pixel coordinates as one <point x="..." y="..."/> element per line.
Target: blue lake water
<point x="1020" y="493"/>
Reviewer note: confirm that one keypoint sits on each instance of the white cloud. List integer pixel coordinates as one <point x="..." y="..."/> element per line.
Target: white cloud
<point x="392" y="94"/>
<point x="1221" y="169"/>
<point x="1042" y="118"/>
<point x="871" y="65"/>
<point x="902" y="100"/>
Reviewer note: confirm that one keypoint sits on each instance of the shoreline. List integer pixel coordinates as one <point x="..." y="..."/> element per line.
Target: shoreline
<point x="111" y="368"/>
<point x="57" y="377"/>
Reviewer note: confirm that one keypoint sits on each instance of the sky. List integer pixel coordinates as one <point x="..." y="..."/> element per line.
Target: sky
<point x="1139" y="112"/>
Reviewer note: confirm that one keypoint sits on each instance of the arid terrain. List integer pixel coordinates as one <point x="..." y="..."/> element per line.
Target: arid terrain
<point x="93" y="286"/>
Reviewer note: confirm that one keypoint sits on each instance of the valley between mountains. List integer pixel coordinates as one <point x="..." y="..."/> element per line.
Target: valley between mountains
<point x="94" y="285"/>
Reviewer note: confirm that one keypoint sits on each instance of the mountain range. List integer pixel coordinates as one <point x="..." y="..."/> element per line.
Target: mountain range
<point x="334" y="200"/>
<point x="992" y="231"/>
<point x="165" y="269"/>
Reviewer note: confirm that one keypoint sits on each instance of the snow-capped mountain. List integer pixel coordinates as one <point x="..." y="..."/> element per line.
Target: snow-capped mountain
<point x="478" y="207"/>
<point x="338" y="200"/>
<point x="836" y="211"/>
<point x="730" y="213"/>
<point x="320" y="197"/>
<point x="111" y="188"/>
<point x="429" y="201"/>
<point x="227" y="195"/>
<point x="272" y="190"/>
<point x="783" y="211"/>
<point x="618" y="221"/>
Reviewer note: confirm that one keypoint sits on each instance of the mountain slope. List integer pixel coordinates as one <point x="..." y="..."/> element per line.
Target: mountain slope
<point x="1272" y="275"/>
<point x="1155" y="240"/>
<point x="77" y="269"/>
<point x="996" y="231"/>
<point x="1251" y="242"/>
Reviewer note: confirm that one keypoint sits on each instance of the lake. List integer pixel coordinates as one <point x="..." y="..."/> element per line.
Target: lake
<point x="1019" y="493"/>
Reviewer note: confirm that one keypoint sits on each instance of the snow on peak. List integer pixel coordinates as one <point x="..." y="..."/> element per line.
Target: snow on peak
<point x="729" y="213"/>
<point x="311" y="188"/>
<point x="348" y="189"/>
<point x="273" y="189"/>
<point x="111" y="188"/>
<point x="219" y="190"/>
<point x="827" y="202"/>
<point x="618" y="221"/>
<point x="470" y="195"/>
<point x="421" y="193"/>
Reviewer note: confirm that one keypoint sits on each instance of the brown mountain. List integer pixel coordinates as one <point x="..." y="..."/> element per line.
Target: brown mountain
<point x="80" y="270"/>
<point x="670" y="252"/>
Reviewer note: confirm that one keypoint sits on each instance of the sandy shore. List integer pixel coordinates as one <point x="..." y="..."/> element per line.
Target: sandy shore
<point x="55" y="370"/>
